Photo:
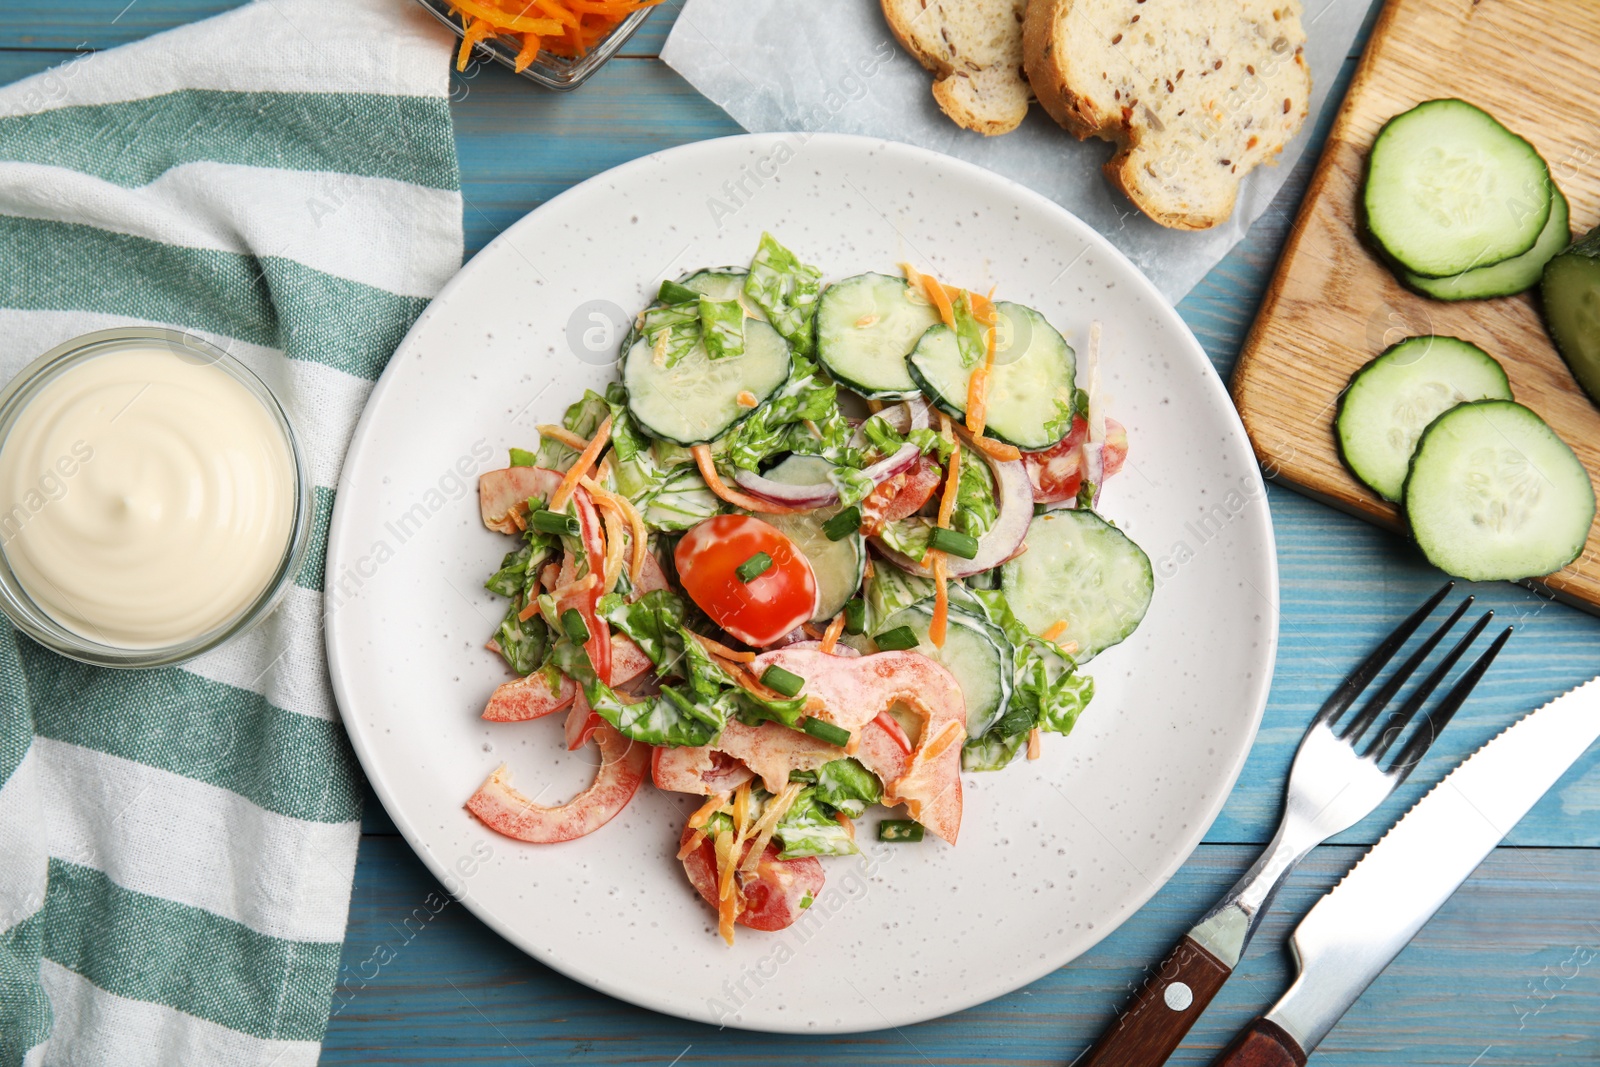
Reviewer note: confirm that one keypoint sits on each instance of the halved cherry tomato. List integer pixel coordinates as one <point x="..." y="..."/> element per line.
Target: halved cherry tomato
<point x="762" y="610"/>
<point x="903" y="495"/>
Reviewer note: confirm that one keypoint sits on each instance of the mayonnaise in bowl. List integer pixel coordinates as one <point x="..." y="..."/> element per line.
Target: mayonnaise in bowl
<point x="152" y="501"/>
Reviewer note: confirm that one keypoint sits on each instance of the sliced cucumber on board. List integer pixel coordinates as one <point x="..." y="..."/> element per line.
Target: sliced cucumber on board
<point x="695" y="400"/>
<point x="1514" y="275"/>
<point x="1571" y="295"/>
<point x="1448" y="189"/>
<point x="1493" y="493"/>
<point x="1031" y="387"/>
<point x="1081" y="570"/>
<point x="1391" y="401"/>
<point x="838" y="565"/>
<point x="866" y="326"/>
<point x="984" y="668"/>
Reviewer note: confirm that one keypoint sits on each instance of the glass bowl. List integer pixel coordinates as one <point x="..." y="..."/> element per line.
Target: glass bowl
<point x="29" y="617"/>
<point x="551" y="71"/>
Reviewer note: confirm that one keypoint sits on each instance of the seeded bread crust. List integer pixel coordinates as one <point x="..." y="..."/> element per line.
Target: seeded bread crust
<point x="1194" y="93"/>
<point x="974" y="50"/>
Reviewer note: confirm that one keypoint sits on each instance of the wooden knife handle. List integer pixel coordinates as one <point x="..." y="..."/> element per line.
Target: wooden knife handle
<point x="1262" y="1044"/>
<point x="1162" y="1011"/>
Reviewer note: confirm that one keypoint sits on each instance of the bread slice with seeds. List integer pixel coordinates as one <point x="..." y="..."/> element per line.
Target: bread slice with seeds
<point x="974" y="49"/>
<point x="1195" y="93"/>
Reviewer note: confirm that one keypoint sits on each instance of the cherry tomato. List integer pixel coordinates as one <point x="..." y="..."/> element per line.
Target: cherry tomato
<point x="903" y="495"/>
<point x="1057" y="472"/>
<point x="769" y="605"/>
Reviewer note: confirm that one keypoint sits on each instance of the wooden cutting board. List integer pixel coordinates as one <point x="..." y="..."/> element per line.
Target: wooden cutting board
<point x="1332" y="305"/>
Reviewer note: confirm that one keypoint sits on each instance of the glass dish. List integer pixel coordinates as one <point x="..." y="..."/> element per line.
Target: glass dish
<point x="551" y="71"/>
<point x="29" y="617"/>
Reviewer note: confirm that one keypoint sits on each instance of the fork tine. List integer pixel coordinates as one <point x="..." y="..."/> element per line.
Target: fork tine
<point x="1353" y="732"/>
<point x="1413" y="752"/>
<point x="1354" y="685"/>
<point x="1400" y="719"/>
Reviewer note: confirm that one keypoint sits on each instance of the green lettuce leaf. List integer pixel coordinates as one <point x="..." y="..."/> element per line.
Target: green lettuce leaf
<point x="972" y="336"/>
<point x="523" y="642"/>
<point x="908" y="536"/>
<point x="786" y="290"/>
<point x="722" y="327"/>
<point x="582" y="418"/>
<point x="808" y="828"/>
<point x="672" y="330"/>
<point x="890" y="589"/>
<point x="785" y="423"/>
<point x="845" y="785"/>
<point x="681" y="501"/>
<point x="976" y="510"/>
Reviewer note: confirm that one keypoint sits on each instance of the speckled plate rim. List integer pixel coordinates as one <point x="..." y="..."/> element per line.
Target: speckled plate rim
<point x="1256" y="529"/>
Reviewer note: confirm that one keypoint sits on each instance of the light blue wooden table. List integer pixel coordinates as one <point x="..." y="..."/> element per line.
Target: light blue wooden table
<point x="1507" y="973"/>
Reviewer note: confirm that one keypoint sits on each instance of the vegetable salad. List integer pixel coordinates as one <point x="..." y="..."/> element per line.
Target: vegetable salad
<point x="821" y="548"/>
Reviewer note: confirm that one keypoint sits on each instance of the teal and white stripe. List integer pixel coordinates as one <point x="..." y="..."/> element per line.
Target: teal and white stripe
<point x="177" y="845"/>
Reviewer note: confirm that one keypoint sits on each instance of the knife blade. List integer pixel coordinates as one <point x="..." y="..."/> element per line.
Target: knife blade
<point x="1351" y="934"/>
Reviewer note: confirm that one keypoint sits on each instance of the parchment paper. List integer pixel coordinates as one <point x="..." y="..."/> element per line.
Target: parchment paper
<point x="832" y="65"/>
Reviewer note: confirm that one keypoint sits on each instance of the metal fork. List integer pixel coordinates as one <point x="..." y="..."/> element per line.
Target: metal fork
<point x="1341" y="772"/>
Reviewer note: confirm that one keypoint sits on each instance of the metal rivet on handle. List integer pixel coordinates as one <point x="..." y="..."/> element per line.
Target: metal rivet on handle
<point x="1178" y="996"/>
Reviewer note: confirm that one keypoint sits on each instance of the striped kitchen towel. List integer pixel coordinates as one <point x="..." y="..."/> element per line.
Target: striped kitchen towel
<point x="177" y="845"/>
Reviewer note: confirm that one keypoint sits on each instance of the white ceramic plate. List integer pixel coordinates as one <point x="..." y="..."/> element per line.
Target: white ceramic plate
<point x="1054" y="854"/>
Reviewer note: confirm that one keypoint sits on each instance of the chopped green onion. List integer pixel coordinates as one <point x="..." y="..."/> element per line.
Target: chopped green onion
<point x="855" y="616"/>
<point x="899" y="830"/>
<point x="824" y="730"/>
<point x="673" y="293"/>
<point x="954" y="542"/>
<point x="786" y="682"/>
<point x="843" y="524"/>
<point x="555" y="522"/>
<point x="572" y="622"/>
<point x="897" y="639"/>
<point x="754" y="567"/>
<point x="521" y="457"/>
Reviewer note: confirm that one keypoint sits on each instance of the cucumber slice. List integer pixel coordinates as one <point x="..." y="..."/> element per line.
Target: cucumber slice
<point x="1081" y="570"/>
<point x="866" y="326"/>
<point x="695" y="400"/>
<point x="838" y="565"/>
<point x="1493" y="493"/>
<point x="1031" y="387"/>
<point x="984" y="668"/>
<point x="1510" y="276"/>
<point x="1449" y="189"/>
<point x="1571" y="296"/>
<point x="1392" y="400"/>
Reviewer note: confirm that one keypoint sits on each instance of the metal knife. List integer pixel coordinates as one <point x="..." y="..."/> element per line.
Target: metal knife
<point x="1349" y="937"/>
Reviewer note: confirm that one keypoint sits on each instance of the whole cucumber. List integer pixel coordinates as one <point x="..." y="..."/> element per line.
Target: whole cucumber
<point x="1571" y="292"/>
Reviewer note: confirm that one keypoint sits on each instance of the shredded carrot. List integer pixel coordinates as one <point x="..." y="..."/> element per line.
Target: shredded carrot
<point x="989" y="446"/>
<point x="702" y="815"/>
<point x="472" y="32"/>
<point x="978" y="389"/>
<point x="529" y="610"/>
<point x="564" y="435"/>
<point x="527" y="53"/>
<point x="637" y="537"/>
<point x="953" y="730"/>
<point x="741" y="808"/>
<point x="1033" y="743"/>
<point x="746" y="399"/>
<point x="557" y="12"/>
<point x="811" y="631"/>
<point x="727" y="899"/>
<point x="830" y="636"/>
<point x="1070" y="648"/>
<point x="982" y="307"/>
<point x="580" y="467"/>
<point x="708" y="471"/>
<point x="1056" y="629"/>
<point x="874" y="406"/>
<point x="764" y="828"/>
<point x="941" y="601"/>
<point x="577" y="585"/>
<point x="611" y="569"/>
<point x="941" y="300"/>
<point x="516" y="519"/>
<point x="866" y="570"/>
<point x="500" y="19"/>
<point x="717" y="648"/>
<point x="952" y="481"/>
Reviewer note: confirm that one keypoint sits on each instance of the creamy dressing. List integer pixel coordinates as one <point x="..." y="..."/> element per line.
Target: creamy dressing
<point x="146" y="497"/>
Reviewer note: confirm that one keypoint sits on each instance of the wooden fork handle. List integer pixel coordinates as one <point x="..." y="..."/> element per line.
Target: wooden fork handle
<point x="1162" y="1011"/>
<point x="1262" y="1044"/>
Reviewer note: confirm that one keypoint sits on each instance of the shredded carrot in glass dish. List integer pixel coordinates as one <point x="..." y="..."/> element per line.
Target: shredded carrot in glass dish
<point x="567" y="28"/>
